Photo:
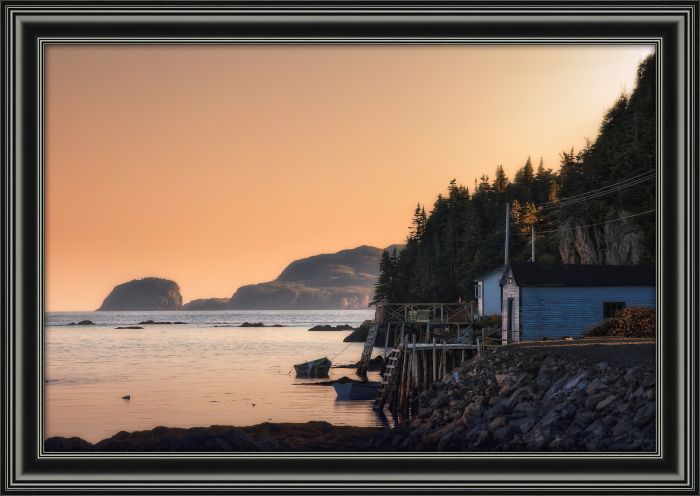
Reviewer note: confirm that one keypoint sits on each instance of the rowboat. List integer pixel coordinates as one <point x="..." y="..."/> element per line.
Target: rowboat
<point x="314" y="368"/>
<point x="356" y="390"/>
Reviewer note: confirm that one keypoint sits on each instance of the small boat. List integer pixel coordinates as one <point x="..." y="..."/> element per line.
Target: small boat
<point x="314" y="368"/>
<point x="356" y="390"/>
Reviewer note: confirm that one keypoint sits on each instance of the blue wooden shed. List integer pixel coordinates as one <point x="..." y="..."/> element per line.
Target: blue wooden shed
<point x="487" y="292"/>
<point x="555" y="301"/>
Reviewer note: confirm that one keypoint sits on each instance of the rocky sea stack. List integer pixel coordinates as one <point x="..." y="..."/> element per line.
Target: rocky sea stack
<point x="149" y="293"/>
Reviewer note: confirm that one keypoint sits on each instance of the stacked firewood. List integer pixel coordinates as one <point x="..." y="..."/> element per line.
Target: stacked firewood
<point x="634" y="322"/>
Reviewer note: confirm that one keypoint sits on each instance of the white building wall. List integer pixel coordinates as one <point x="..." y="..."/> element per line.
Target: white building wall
<point x="510" y="290"/>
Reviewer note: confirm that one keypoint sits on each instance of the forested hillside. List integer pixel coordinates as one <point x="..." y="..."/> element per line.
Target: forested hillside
<point x="598" y="208"/>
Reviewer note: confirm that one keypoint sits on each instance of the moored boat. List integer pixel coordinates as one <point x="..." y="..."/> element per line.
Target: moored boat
<point x="314" y="368"/>
<point x="356" y="390"/>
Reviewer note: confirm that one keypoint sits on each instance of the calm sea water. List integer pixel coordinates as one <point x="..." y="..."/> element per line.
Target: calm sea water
<point x="194" y="374"/>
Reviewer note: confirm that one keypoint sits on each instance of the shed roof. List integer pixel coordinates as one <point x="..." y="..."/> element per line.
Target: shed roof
<point x="539" y="274"/>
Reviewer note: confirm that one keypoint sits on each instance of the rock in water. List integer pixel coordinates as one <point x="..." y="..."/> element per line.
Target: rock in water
<point x="149" y="293"/>
<point x="341" y="327"/>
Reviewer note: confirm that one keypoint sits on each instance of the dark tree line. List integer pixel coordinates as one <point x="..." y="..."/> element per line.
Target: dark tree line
<point x="462" y="235"/>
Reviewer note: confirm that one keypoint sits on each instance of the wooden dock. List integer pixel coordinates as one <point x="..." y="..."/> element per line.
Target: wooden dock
<point x="412" y="367"/>
<point x="422" y="343"/>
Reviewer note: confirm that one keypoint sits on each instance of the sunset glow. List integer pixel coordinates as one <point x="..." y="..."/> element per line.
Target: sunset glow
<point x="216" y="166"/>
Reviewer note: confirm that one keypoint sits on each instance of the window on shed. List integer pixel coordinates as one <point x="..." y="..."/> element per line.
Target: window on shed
<point x="610" y="308"/>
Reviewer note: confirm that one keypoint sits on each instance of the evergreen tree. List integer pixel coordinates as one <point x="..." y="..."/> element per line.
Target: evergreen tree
<point x="418" y="223"/>
<point x="462" y="236"/>
<point x="500" y="182"/>
<point x="524" y="182"/>
<point x="383" y="288"/>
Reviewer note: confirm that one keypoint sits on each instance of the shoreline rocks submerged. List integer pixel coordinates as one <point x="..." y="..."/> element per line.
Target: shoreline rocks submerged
<point x="581" y="396"/>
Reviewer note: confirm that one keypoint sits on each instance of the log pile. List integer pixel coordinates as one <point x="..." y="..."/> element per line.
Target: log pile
<point x="634" y="322"/>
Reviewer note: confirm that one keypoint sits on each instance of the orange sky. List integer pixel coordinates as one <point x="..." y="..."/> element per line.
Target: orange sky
<point x="216" y="166"/>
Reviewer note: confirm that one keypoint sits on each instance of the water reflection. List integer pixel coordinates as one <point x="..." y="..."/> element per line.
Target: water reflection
<point x="186" y="376"/>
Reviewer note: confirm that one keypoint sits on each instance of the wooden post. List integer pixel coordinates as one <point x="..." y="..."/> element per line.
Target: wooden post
<point x="404" y="382"/>
<point x="444" y="359"/>
<point x="434" y="361"/>
<point x="415" y="361"/>
<point x="507" y="233"/>
<point x="478" y="348"/>
<point x="386" y="340"/>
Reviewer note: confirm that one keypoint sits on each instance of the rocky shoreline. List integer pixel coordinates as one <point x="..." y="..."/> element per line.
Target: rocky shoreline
<point x="309" y="436"/>
<point x="588" y="395"/>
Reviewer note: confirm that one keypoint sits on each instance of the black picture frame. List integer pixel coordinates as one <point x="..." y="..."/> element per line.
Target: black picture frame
<point x="28" y="25"/>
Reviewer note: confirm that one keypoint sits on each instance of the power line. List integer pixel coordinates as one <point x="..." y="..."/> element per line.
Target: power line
<point x="611" y="188"/>
<point x="595" y="195"/>
<point x="588" y="195"/>
<point x="589" y="225"/>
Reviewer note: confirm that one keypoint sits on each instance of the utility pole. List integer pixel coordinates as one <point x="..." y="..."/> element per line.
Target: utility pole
<point x="507" y="232"/>
<point x="533" y="243"/>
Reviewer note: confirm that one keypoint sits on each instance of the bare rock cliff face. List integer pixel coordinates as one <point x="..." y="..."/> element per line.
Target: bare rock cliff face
<point x="615" y="243"/>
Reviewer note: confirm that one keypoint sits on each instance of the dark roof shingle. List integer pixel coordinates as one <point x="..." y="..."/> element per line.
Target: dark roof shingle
<point x="539" y="274"/>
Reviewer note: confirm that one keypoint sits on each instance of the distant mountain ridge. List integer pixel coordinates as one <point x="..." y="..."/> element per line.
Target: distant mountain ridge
<point x="329" y="281"/>
<point x="346" y="267"/>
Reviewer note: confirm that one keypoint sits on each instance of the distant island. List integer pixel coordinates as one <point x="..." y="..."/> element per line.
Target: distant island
<point x="149" y="293"/>
<point x="341" y="280"/>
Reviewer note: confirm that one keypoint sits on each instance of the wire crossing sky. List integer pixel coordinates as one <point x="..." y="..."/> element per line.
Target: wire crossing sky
<point x="595" y="193"/>
<point x="216" y="166"/>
